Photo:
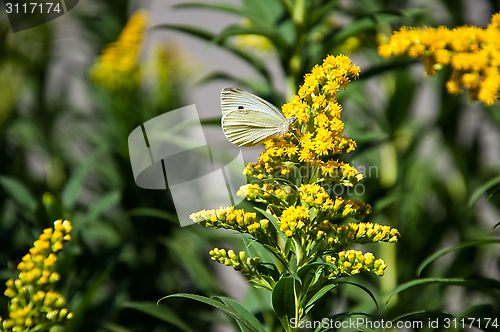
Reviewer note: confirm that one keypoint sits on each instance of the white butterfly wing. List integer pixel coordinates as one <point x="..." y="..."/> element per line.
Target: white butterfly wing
<point x="250" y="127"/>
<point x="233" y="99"/>
<point x="248" y="120"/>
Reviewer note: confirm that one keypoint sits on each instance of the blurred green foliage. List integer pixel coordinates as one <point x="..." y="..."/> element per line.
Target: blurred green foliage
<point x="61" y="161"/>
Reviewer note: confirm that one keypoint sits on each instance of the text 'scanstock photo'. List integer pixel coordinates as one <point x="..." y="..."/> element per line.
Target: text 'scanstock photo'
<point x="249" y="166"/>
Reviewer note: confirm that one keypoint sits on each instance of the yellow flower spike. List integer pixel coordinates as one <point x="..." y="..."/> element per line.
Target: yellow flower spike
<point x="471" y="52"/>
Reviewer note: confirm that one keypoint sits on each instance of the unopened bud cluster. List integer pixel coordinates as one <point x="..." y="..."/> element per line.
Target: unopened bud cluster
<point x="34" y="305"/>
<point x="235" y="219"/>
<point x="352" y="262"/>
<point x="245" y="265"/>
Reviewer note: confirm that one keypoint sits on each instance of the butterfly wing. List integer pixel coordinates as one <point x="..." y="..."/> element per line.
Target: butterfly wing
<point x="248" y="120"/>
<point x="251" y="127"/>
<point x="233" y="99"/>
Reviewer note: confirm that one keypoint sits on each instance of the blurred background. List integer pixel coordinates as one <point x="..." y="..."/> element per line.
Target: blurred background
<point x="73" y="89"/>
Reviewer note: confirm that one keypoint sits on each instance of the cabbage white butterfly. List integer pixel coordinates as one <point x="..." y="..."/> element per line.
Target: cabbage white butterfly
<point x="248" y="120"/>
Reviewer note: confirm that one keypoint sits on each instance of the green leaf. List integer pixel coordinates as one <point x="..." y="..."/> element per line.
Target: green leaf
<point x="493" y="194"/>
<point x="228" y="8"/>
<point x="217" y="304"/>
<point x="74" y="185"/>
<point x="155" y="213"/>
<point x="362" y="287"/>
<point x="103" y="204"/>
<point x="498" y="224"/>
<point x="160" y="312"/>
<point x="364" y="328"/>
<point x="18" y="192"/>
<point x="319" y="294"/>
<point x="257" y="63"/>
<point x="368" y="22"/>
<point x="480" y="310"/>
<point x="265" y="12"/>
<point x="114" y="327"/>
<point x="479" y="191"/>
<point x="283" y="299"/>
<point x="243" y="312"/>
<point x="255" y="249"/>
<point x="459" y="246"/>
<point x="481" y="283"/>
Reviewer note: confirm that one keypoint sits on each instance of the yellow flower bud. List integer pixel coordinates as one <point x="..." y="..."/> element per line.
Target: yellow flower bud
<point x="7" y="324"/>
<point x="58" y="226"/>
<point x="57" y="235"/>
<point x="63" y="313"/>
<point x="18" y="283"/>
<point x="57" y="246"/>
<point x="9" y="292"/>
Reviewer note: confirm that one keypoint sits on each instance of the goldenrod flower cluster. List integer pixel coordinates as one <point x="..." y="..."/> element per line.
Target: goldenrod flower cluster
<point x="235" y="219"/>
<point x="315" y="196"/>
<point x="117" y="68"/>
<point x="344" y="235"/>
<point x="352" y="262"/>
<point x="472" y="52"/>
<point x="296" y="220"/>
<point x="34" y="305"/>
<point x="295" y="178"/>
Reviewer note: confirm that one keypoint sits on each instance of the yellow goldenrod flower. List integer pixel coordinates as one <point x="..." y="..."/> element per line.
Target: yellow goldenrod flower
<point x="117" y="68"/>
<point x="34" y="287"/>
<point x="344" y="235"/>
<point x="473" y="54"/>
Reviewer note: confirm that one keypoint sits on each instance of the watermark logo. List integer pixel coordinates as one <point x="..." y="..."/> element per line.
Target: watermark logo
<point x="171" y="148"/>
<point x="26" y="14"/>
